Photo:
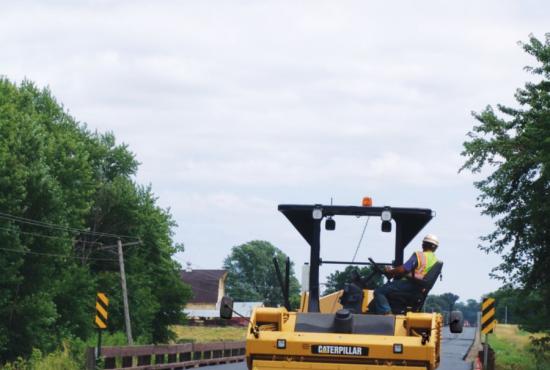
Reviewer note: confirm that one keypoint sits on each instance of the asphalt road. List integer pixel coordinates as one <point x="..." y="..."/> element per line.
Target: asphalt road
<point x="454" y="348"/>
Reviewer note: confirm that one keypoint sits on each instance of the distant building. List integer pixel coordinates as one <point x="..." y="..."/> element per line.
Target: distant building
<point x="208" y="288"/>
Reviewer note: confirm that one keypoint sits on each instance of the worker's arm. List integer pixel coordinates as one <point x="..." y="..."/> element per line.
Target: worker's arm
<point x="397" y="271"/>
<point x="402" y="270"/>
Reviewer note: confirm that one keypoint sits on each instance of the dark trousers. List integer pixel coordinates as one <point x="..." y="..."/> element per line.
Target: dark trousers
<point x="402" y="290"/>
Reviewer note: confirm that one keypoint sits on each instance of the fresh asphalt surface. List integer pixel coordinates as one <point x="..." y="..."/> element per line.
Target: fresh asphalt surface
<point x="454" y="348"/>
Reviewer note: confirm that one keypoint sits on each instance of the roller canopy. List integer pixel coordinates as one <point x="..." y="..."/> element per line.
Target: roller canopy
<point x="408" y="223"/>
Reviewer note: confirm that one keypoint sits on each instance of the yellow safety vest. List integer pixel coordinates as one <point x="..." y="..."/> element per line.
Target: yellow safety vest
<point x="426" y="260"/>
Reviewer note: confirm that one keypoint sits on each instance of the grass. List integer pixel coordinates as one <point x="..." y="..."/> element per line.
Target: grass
<point x="205" y="334"/>
<point x="58" y="360"/>
<point x="71" y="355"/>
<point x="511" y="347"/>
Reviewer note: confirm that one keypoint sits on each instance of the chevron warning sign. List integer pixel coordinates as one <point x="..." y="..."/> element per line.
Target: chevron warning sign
<point x="101" y="304"/>
<point x="488" y="321"/>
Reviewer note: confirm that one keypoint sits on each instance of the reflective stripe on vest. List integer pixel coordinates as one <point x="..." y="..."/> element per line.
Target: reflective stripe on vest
<point x="426" y="260"/>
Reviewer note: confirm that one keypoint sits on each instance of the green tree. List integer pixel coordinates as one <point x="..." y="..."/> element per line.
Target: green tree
<point x="338" y="279"/>
<point x="62" y="188"/>
<point x="434" y="303"/>
<point x="517" y="306"/>
<point x="513" y="144"/>
<point x="440" y="303"/>
<point x="450" y="299"/>
<point x="251" y="274"/>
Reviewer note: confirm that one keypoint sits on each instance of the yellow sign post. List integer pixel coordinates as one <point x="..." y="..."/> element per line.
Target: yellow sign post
<point x="101" y="315"/>
<point x="488" y="321"/>
<point x="488" y="324"/>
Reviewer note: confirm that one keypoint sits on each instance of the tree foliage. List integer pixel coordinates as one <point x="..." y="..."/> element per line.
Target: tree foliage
<point x="513" y="143"/>
<point x="338" y="279"/>
<point x="447" y="302"/>
<point x="440" y="303"/>
<point x="251" y="275"/>
<point x="55" y="171"/>
<point x="517" y="306"/>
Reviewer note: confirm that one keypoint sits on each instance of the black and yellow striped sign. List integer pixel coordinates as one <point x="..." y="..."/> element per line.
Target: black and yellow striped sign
<point x="101" y="304"/>
<point x="488" y="321"/>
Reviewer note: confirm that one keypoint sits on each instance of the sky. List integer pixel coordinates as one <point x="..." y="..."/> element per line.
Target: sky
<point x="234" y="107"/>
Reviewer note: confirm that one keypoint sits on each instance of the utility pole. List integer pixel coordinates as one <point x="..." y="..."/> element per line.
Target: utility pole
<point x="124" y="294"/>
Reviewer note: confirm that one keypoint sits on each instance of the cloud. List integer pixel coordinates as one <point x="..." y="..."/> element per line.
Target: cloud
<point x="233" y="107"/>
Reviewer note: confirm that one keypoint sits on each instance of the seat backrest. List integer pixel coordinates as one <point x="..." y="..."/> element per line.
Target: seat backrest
<point x="352" y="298"/>
<point x="427" y="284"/>
<point x="431" y="277"/>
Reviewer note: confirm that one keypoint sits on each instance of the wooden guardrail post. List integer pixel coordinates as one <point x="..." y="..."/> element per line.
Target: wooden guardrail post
<point x="90" y="358"/>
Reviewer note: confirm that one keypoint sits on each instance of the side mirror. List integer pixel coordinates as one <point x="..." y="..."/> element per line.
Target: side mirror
<point x="456" y="322"/>
<point x="226" y="308"/>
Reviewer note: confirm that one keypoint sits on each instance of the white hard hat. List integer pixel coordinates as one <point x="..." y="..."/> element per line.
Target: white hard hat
<point x="431" y="238"/>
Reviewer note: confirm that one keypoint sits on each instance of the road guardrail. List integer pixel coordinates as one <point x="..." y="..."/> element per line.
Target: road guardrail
<point x="167" y="357"/>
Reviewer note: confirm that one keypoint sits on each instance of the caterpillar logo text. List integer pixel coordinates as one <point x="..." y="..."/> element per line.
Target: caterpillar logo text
<point x="339" y="350"/>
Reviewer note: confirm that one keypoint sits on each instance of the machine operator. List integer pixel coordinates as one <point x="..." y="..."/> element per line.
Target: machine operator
<point x="417" y="266"/>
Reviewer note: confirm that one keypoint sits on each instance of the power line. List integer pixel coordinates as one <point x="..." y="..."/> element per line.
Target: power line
<point x="49" y="236"/>
<point x="101" y="245"/>
<point x="60" y="227"/>
<point x="55" y="255"/>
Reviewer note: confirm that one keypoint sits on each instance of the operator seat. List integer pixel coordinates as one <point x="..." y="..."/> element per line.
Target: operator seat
<point x="415" y="301"/>
<point x="352" y="297"/>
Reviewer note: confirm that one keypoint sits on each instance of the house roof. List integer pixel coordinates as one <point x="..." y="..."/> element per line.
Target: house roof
<point x="204" y="283"/>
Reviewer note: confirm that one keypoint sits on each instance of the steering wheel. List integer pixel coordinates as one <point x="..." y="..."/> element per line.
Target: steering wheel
<point x="379" y="269"/>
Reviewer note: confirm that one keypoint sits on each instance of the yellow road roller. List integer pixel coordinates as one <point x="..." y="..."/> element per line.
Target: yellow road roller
<point x="337" y="332"/>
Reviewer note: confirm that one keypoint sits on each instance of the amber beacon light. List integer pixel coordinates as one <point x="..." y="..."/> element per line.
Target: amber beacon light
<point x="367" y="202"/>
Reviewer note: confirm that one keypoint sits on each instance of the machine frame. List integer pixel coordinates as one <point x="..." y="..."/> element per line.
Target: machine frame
<point x="323" y="334"/>
<point x="408" y="223"/>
